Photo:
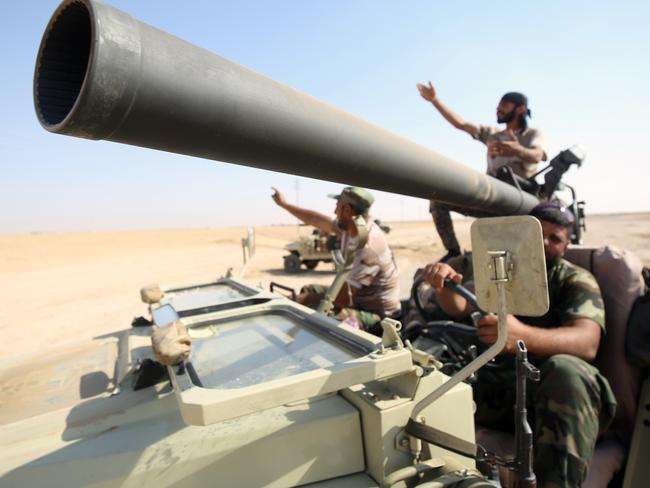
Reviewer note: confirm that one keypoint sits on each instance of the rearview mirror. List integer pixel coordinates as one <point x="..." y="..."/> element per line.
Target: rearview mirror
<point x="509" y="276"/>
<point x="163" y="315"/>
<point x="510" y="250"/>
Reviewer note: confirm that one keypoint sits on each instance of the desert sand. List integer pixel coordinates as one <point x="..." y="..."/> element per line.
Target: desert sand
<point x="58" y="289"/>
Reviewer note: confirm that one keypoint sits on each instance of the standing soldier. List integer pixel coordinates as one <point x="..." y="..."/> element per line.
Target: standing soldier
<point x="518" y="146"/>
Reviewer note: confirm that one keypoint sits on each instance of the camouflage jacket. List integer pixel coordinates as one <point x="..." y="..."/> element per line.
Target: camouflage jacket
<point x="573" y="293"/>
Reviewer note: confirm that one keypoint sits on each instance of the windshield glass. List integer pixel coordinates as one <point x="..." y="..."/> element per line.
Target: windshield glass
<point x="250" y="350"/>
<point x="204" y="296"/>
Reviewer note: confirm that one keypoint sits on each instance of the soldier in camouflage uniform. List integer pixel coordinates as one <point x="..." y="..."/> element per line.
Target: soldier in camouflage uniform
<point x="371" y="291"/>
<point x="573" y="403"/>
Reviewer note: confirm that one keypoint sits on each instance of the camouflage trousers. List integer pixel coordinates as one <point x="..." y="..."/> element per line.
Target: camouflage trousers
<point x="568" y="409"/>
<point x="311" y="296"/>
<point x="440" y="212"/>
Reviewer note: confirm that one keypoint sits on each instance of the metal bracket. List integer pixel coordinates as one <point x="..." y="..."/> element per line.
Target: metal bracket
<point x="402" y="441"/>
<point x="390" y="338"/>
<point x="422" y="358"/>
<point x="412" y="445"/>
<point x="500" y="266"/>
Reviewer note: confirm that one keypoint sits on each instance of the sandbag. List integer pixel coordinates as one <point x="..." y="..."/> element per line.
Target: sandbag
<point x="171" y="343"/>
<point x="151" y="294"/>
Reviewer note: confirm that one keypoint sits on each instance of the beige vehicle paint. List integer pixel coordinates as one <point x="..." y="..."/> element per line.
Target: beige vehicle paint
<point x="313" y="426"/>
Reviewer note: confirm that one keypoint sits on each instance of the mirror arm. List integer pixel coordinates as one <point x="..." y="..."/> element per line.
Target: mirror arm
<point x="500" y="263"/>
<point x="472" y="367"/>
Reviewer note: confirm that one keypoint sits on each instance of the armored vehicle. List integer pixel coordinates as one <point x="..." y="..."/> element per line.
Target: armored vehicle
<point x="264" y="392"/>
<point x="310" y="250"/>
<point x="315" y="248"/>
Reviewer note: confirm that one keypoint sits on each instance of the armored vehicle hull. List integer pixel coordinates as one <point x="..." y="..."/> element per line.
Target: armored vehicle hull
<point x="300" y="400"/>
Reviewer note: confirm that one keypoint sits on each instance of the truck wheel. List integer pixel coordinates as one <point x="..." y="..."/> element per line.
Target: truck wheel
<point x="311" y="264"/>
<point x="292" y="263"/>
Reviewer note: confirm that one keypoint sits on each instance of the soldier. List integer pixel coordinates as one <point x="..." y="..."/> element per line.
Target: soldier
<point x="371" y="291"/>
<point x="517" y="146"/>
<point x="573" y="402"/>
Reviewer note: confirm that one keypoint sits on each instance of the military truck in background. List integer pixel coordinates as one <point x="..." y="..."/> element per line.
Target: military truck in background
<point x="315" y="248"/>
<point x="310" y="250"/>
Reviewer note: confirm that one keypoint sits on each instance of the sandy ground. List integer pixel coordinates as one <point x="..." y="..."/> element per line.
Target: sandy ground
<point x="58" y="289"/>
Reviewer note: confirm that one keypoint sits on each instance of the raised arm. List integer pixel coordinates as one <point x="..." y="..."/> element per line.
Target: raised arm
<point x="429" y="94"/>
<point x="309" y="217"/>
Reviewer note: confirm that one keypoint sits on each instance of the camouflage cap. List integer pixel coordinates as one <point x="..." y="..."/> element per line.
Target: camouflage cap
<point x="359" y="198"/>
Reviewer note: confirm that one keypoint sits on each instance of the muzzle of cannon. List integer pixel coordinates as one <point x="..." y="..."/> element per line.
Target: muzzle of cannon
<point x="101" y="74"/>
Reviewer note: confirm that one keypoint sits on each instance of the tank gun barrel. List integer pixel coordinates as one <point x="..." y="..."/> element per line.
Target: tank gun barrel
<point x="101" y="74"/>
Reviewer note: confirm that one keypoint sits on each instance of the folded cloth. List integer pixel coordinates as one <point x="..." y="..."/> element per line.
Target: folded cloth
<point x="171" y="343"/>
<point x="151" y="293"/>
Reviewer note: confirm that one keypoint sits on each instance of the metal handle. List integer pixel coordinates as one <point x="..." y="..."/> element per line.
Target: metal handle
<point x="274" y="285"/>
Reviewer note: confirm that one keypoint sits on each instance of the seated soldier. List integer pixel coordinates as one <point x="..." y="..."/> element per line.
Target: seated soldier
<point x="371" y="291"/>
<point x="573" y="403"/>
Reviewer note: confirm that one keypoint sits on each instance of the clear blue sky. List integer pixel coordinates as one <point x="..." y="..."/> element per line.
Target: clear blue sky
<point x="585" y="66"/>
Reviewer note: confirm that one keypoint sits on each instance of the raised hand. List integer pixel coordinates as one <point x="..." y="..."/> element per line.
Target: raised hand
<point x="427" y="92"/>
<point x="278" y="197"/>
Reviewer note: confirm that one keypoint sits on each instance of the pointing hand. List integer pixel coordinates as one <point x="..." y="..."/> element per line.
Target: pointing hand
<point x="278" y="197"/>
